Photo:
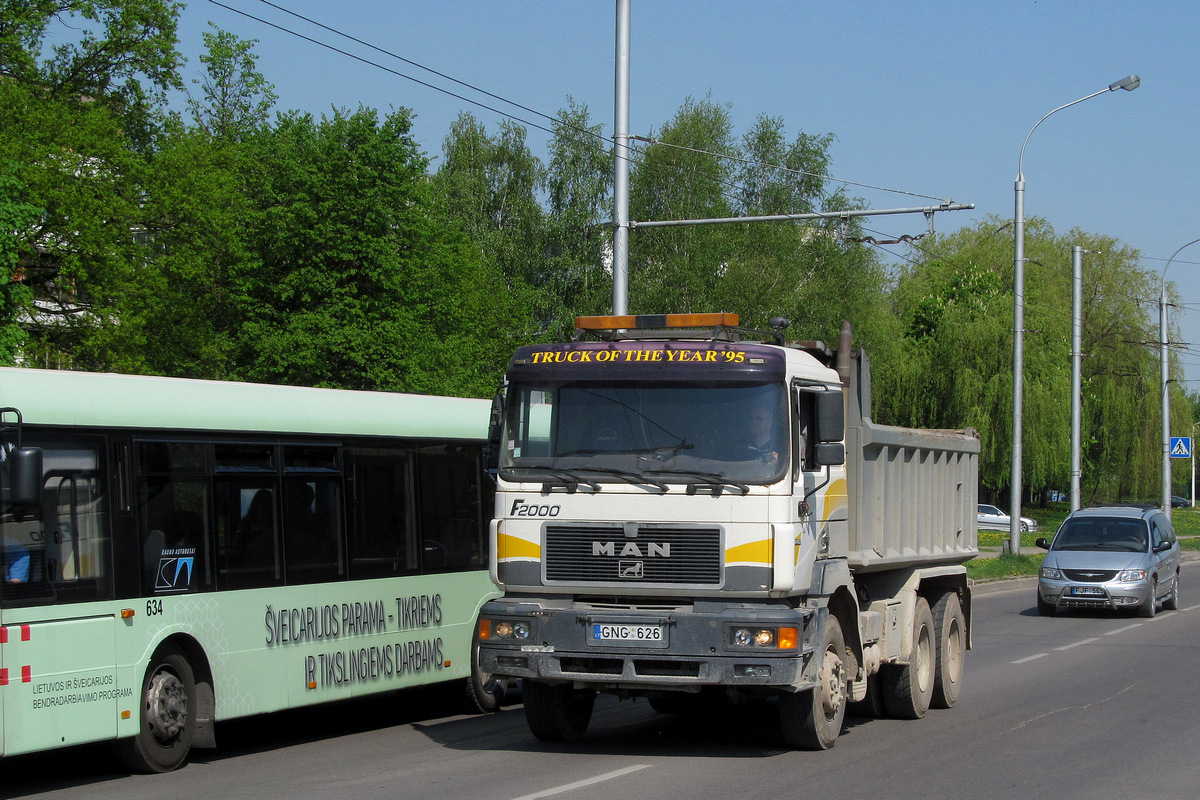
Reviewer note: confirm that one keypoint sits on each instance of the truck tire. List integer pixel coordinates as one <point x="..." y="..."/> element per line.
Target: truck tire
<point x="556" y="712"/>
<point x="812" y="719"/>
<point x="167" y="719"/>
<point x="484" y="691"/>
<point x="949" y="625"/>
<point x="908" y="688"/>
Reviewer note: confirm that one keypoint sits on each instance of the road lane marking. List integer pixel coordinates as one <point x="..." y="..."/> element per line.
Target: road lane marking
<point x="1122" y="630"/>
<point x="1029" y="658"/>
<point x="567" y="787"/>
<point x="1077" y="644"/>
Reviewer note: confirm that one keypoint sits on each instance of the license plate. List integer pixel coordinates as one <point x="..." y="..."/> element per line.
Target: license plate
<point x="650" y="634"/>
<point x="1087" y="591"/>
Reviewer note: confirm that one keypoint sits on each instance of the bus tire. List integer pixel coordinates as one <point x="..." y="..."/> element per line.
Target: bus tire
<point x="485" y="692"/>
<point x="556" y="712"/>
<point x="908" y="688"/>
<point x="167" y="716"/>
<point x="812" y="719"/>
<point x="949" y="625"/>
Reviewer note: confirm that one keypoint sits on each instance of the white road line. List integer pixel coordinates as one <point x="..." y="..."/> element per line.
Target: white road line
<point x="567" y="787"/>
<point x="1077" y="644"/>
<point x="1122" y="630"/>
<point x="1029" y="658"/>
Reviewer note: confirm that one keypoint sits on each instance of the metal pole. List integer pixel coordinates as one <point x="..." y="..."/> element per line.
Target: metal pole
<point x="1014" y="532"/>
<point x="621" y="164"/>
<point x="1166" y="395"/>
<point x="1076" y="367"/>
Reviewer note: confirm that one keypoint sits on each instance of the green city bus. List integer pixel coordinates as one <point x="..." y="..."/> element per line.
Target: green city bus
<point x="180" y="552"/>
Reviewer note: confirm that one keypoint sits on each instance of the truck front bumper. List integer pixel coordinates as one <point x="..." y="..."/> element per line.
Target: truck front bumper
<point x="702" y="645"/>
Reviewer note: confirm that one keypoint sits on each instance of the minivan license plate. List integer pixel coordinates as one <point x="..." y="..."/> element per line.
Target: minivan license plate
<point x="1090" y="591"/>
<point x="614" y="632"/>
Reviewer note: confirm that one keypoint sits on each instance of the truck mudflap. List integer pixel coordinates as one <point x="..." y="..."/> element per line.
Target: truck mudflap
<point x="748" y="645"/>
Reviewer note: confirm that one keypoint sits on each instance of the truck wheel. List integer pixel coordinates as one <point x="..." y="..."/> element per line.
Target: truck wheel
<point x="556" y="712"/>
<point x="949" y="624"/>
<point x="167" y="720"/>
<point x="485" y="692"/>
<point x="812" y="719"/>
<point x="908" y="688"/>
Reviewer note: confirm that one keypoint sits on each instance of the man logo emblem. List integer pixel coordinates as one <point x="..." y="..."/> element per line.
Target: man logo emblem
<point x="631" y="569"/>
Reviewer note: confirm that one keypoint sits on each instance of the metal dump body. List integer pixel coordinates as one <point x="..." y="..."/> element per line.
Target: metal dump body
<point x="911" y="492"/>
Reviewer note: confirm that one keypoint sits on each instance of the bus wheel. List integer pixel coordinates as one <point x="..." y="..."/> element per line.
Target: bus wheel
<point x="167" y="719"/>
<point x="556" y="712"/>
<point x="908" y="688"/>
<point x="485" y="692"/>
<point x="812" y="719"/>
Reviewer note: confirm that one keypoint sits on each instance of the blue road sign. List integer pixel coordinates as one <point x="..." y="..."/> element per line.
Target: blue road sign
<point x="1181" y="447"/>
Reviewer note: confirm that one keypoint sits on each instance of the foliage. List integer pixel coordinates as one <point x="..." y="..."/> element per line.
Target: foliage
<point x="237" y="98"/>
<point x="954" y="305"/>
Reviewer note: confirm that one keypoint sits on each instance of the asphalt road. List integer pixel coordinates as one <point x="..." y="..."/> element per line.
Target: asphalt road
<point x="1078" y="706"/>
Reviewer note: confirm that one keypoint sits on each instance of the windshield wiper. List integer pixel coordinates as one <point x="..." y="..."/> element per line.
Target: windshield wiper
<point x="636" y="478"/>
<point x="716" y="483"/>
<point x="566" y="479"/>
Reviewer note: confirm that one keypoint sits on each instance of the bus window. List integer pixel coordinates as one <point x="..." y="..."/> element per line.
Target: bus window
<point x="173" y="513"/>
<point x="247" y="540"/>
<point x="311" y="529"/>
<point x="379" y="482"/>
<point x="451" y="507"/>
<point x="64" y="543"/>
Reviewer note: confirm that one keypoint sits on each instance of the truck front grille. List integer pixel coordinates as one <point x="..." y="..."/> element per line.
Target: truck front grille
<point x="654" y="555"/>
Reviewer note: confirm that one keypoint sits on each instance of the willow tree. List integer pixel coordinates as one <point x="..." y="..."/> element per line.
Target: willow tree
<point x="955" y="306"/>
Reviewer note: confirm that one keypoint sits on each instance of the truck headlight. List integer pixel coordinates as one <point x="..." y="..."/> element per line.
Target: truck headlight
<point x="768" y="638"/>
<point x="503" y="629"/>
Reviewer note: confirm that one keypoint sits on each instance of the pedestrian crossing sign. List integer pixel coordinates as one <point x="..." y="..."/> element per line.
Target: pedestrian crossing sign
<point x="1181" y="447"/>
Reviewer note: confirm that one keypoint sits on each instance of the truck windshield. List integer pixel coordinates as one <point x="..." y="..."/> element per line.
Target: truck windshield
<point x="668" y="432"/>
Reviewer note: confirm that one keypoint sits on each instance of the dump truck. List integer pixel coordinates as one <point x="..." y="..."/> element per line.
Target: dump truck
<point x="688" y="510"/>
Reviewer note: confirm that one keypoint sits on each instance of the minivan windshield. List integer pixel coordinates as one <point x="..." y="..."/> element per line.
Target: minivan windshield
<point x="1099" y="533"/>
<point x="670" y="432"/>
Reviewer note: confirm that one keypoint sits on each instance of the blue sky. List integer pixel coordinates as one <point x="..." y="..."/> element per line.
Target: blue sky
<point x="924" y="96"/>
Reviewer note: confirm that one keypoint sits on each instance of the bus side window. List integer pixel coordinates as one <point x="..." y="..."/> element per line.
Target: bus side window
<point x="247" y="533"/>
<point x="379" y="497"/>
<point x="173" y="517"/>
<point x="451" y="509"/>
<point x="312" y="529"/>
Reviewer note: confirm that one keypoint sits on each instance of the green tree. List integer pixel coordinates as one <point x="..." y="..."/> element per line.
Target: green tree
<point x="358" y="284"/>
<point x="954" y="304"/>
<point x="237" y="97"/>
<point x="75" y="121"/>
<point x="578" y="183"/>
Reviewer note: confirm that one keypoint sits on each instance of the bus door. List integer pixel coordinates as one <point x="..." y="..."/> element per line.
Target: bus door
<point x="58" y="637"/>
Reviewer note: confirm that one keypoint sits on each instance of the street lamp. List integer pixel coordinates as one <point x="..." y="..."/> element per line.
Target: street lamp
<point x="1166" y="398"/>
<point x="1076" y="368"/>
<point x="1128" y="84"/>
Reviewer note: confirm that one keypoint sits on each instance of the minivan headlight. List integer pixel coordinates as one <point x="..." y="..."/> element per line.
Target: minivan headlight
<point x="1051" y="574"/>
<point x="1131" y="575"/>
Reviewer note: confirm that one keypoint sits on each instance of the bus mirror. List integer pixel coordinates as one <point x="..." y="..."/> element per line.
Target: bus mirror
<point x="25" y="471"/>
<point x="830" y="419"/>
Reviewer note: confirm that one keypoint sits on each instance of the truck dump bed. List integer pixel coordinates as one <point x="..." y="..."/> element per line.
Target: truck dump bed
<point x="911" y="493"/>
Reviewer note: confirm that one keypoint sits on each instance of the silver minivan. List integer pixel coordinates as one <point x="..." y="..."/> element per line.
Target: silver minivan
<point x="1114" y="557"/>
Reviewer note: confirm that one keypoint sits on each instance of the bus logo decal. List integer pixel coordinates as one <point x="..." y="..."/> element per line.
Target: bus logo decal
<point x="174" y="574"/>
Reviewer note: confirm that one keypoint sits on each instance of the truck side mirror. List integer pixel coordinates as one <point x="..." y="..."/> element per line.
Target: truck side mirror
<point x="491" y="450"/>
<point x="830" y="420"/>
<point x="829" y="453"/>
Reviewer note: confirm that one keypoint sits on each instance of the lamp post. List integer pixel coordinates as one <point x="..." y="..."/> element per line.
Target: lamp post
<point x="1166" y="398"/>
<point x="1076" y="368"/>
<point x="1128" y="84"/>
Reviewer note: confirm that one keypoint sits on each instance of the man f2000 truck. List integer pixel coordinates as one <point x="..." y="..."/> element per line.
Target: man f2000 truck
<point x="688" y="508"/>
